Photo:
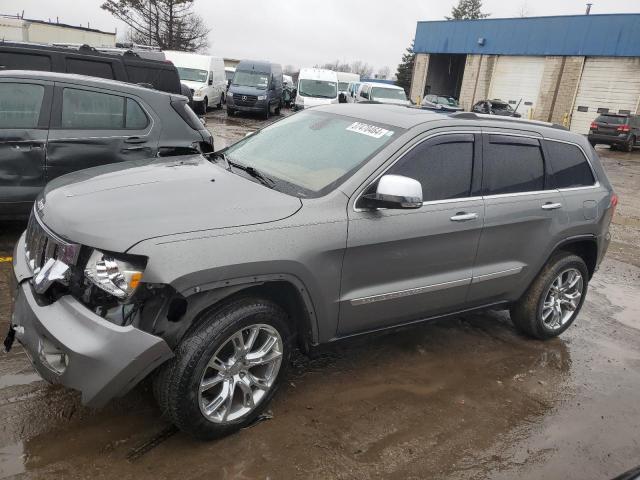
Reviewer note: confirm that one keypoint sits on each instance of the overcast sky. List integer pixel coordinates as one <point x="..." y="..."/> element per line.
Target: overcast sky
<point x="308" y="33"/>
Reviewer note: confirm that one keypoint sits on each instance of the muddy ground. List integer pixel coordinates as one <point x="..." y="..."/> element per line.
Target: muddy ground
<point x="460" y="399"/>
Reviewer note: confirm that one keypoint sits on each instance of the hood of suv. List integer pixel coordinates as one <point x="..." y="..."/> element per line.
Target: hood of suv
<point x="113" y="207"/>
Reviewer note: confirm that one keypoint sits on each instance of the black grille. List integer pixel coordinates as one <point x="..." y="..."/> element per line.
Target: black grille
<point x="245" y="100"/>
<point x="41" y="245"/>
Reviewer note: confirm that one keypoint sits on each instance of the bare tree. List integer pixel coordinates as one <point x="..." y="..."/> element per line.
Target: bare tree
<point x="168" y="24"/>
<point x="383" y="73"/>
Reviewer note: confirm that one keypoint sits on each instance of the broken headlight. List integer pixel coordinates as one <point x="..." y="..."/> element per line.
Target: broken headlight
<point x="117" y="276"/>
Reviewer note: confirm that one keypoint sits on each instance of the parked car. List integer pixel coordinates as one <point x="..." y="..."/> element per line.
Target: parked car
<point x="616" y="130"/>
<point x="441" y="102"/>
<point x="382" y="93"/>
<point x="316" y="86"/>
<point x="344" y="79"/>
<point x="495" y="107"/>
<point x="55" y="123"/>
<point x="256" y="87"/>
<point x="334" y="222"/>
<point x="204" y="75"/>
<point x="86" y="60"/>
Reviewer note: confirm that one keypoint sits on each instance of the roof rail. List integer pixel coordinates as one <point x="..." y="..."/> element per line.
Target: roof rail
<point x="525" y="121"/>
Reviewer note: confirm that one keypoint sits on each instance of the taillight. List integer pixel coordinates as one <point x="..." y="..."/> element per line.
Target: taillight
<point x="614" y="203"/>
<point x="594" y="126"/>
<point x="624" y="128"/>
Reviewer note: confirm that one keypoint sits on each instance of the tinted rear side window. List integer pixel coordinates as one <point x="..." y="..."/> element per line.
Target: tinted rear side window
<point x="511" y="165"/>
<point x="20" y="105"/>
<point x="162" y="79"/>
<point x="89" y="67"/>
<point x="570" y="166"/>
<point x="135" y="119"/>
<point x="24" y="61"/>
<point x="84" y="109"/>
<point x="443" y="166"/>
<point x="187" y="114"/>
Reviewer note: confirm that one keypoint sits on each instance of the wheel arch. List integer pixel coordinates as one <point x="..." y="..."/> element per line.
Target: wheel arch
<point x="584" y="246"/>
<point x="287" y="291"/>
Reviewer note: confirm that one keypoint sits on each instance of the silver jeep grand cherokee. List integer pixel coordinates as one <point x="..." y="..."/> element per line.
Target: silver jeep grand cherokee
<point x="334" y="222"/>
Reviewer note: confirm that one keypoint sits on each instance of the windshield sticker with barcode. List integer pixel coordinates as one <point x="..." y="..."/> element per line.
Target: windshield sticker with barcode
<point x="369" y="130"/>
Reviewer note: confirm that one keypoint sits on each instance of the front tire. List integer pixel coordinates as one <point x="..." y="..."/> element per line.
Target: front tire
<point x="554" y="299"/>
<point x="227" y="370"/>
<point x="204" y="106"/>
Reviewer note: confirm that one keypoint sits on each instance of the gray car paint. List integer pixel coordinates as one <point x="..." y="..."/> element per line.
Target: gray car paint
<point x="224" y="235"/>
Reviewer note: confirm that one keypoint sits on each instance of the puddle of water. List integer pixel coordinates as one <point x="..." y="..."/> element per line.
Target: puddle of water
<point x="624" y="300"/>
<point x="12" y="460"/>
<point x="18" y="379"/>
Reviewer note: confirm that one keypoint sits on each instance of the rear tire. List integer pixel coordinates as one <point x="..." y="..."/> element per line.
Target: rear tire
<point x="219" y="105"/>
<point x="230" y="112"/>
<point x="218" y="357"/>
<point x="204" y="106"/>
<point x="547" y="299"/>
<point x="630" y="144"/>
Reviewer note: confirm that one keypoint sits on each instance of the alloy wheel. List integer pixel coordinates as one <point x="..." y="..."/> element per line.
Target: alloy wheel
<point x="562" y="299"/>
<point x="240" y="373"/>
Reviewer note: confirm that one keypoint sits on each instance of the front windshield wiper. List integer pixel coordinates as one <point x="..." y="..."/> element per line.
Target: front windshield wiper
<point x="266" y="181"/>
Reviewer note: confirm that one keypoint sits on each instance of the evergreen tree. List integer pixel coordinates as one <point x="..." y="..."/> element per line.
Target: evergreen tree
<point x="405" y="69"/>
<point x="467" y="10"/>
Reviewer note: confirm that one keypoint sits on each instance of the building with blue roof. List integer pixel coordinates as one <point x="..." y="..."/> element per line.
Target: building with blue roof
<point x="564" y="69"/>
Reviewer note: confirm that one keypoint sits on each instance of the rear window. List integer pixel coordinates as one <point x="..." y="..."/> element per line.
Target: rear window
<point x="187" y="114"/>
<point x="162" y="79"/>
<point x="24" y="61"/>
<point x="570" y="167"/>
<point x="512" y="165"/>
<point x="90" y="67"/>
<point x="612" y="119"/>
<point x="20" y="105"/>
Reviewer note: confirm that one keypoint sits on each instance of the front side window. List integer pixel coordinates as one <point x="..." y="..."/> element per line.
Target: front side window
<point x="20" y="105"/>
<point x="512" y="165"/>
<point x="443" y="165"/>
<point x="251" y="79"/>
<point x="388" y="94"/>
<point x="309" y="153"/>
<point x="192" y="74"/>
<point x="570" y="167"/>
<point x="317" y="88"/>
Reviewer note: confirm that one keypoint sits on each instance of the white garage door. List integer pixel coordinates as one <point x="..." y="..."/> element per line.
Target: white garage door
<point x="606" y="83"/>
<point x="517" y="80"/>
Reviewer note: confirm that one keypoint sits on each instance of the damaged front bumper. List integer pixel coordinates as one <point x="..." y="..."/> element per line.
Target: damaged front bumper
<point x="70" y="345"/>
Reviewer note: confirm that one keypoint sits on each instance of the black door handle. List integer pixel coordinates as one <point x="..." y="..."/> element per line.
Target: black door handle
<point x="135" y="140"/>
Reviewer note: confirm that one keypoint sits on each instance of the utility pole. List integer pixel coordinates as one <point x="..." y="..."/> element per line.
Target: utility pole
<point x="589" y="5"/>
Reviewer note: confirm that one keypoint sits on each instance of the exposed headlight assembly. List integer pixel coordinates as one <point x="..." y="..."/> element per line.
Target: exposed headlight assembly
<point x="116" y="276"/>
<point x="262" y="97"/>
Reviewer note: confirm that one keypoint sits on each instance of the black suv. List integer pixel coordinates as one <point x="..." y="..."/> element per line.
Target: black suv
<point x="85" y="60"/>
<point x="616" y="130"/>
<point x="55" y="123"/>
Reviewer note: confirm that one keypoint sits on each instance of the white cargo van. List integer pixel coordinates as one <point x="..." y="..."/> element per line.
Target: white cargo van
<point x="203" y="74"/>
<point x="344" y="79"/>
<point x="316" y="86"/>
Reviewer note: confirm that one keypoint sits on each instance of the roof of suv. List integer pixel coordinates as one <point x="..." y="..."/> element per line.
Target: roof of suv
<point x="82" y="79"/>
<point x="409" y="117"/>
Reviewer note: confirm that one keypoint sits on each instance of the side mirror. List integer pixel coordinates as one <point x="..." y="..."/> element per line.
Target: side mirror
<point x="342" y="98"/>
<point x="394" y="192"/>
<point x="210" y="82"/>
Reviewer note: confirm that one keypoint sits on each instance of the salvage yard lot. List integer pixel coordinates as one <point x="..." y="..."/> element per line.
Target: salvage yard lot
<point x="466" y="398"/>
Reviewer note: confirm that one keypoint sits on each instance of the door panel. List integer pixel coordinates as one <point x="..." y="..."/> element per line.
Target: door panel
<point x="114" y="130"/>
<point x="404" y="265"/>
<point x="522" y="218"/>
<point x="24" y="118"/>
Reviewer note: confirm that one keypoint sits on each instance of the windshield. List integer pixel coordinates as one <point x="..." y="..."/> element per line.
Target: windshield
<point x="343" y="86"/>
<point x="251" y="79"/>
<point x="614" y="119"/>
<point x="317" y="88"/>
<point x="388" y="93"/>
<point x="452" y="102"/>
<point x="192" y="74"/>
<point x="309" y="153"/>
